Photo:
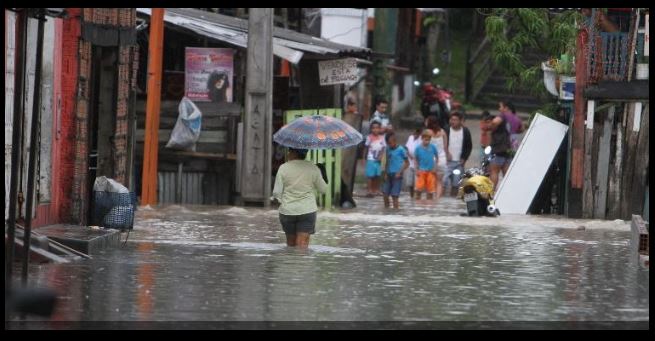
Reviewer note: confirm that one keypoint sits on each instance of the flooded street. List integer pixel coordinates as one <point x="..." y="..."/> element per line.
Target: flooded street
<point x="421" y="263"/>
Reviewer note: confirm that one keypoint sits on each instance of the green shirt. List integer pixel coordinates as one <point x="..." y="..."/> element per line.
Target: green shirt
<point x="296" y="184"/>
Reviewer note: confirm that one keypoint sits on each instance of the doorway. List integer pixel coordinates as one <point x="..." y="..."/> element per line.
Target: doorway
<point x="102" y="117"/>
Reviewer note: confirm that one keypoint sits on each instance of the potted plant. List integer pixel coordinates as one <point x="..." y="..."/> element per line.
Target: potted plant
<point x="550" y="76"/>
<point x="566" y="80"/>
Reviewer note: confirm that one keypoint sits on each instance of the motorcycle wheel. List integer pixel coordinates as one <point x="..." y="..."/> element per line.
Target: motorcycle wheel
<point x="482" y="206"/>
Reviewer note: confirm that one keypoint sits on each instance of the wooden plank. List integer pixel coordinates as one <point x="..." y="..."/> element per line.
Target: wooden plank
<point x="603" y="166"/>
<point x="641" y="165"/>
<point x="616" y="171"/>
<point x="628" y="164"/>
<point x="587" y="189"/>
<point x="613" y="90"/>
<point x="598" y="129"/>
<point x="208" y="123"/>
<point x="187" y="154"/>
<point x="218" y="136"/>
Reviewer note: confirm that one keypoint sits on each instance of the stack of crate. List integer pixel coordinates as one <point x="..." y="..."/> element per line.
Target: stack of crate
<point x="639" y="241"/>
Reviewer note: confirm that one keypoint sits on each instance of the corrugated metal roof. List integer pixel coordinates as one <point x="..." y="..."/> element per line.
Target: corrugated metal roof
<point x="287" y="44"/>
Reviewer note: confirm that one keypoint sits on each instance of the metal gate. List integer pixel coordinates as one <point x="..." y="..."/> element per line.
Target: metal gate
<point x="330" y="157"/>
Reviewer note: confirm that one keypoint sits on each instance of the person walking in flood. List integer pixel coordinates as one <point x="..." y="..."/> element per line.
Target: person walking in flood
<point x="296" y="184"/>
<point x="393" y="174"/>
<point x="375" y="146"/>
<point x="426" y="155"/>
<point x="440" y="141"/>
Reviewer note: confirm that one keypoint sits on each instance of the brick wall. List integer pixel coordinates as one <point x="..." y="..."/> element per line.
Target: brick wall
<point x="127" y="57"/>
<point x="70" y="40"/>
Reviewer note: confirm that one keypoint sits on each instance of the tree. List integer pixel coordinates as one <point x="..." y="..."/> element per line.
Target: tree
<point x="512" y="31"/>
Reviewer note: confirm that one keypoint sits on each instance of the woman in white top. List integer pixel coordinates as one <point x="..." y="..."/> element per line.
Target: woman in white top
<point x="440" y="140"/>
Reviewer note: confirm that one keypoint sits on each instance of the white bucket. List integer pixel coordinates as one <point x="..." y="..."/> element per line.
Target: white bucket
<point x="566" y="87"/>
<point x="549" y="79"/>
<point x="642" y="71"/>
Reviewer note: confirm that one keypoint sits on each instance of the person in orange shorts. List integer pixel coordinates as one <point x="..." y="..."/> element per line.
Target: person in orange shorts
<point x="426" y="155"/>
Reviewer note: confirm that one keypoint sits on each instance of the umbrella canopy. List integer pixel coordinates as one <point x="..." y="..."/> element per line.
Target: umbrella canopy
<point x="317" y="132"/>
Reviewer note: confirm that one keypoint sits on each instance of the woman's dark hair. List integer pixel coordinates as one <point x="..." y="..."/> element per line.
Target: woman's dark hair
<point x="374" y="123"/>
<point x="300" y="152"/>
<point x="486" y="115"/>
<point x="218" y="95"/>
<point x="510" y="106"/>
<point x="381" y="100"/>
<point x="433" y="124"/>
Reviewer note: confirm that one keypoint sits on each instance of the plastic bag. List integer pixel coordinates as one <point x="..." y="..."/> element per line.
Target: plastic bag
<point x="187" y="128"/>
<point x="113" y="204"/>
<point x="104" y="184"/>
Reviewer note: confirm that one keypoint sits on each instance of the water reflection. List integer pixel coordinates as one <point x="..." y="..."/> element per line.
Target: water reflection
<point x="231" y="264"/>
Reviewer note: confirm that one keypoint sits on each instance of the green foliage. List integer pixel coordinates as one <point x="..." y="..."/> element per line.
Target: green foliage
<point x="549" y="110"/>
<point x="430" y="20"/>
<point x="512" y="31"/>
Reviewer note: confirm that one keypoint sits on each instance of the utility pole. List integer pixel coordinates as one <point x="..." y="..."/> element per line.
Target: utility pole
<point x="153" y="104"/>
<point x="34" y="148"/>
<point x="257" y="139"/>
<point x="384" y="41"/>
<point x="16" y="147"/>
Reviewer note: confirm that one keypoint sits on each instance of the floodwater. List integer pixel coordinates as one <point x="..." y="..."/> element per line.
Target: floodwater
<point x="421" y="263"/>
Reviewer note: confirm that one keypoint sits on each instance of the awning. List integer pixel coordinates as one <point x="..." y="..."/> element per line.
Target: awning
<point x="287" y="44"/>
<point x="432" y="10"/>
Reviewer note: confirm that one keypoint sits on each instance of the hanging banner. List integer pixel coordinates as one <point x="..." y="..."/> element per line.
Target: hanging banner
<point x="340" y="71"/>
<point x="208" y="74"/>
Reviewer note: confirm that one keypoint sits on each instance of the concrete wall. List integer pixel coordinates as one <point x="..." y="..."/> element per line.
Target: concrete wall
<point x="344" y="26"/>
<point x="10" y="54"/>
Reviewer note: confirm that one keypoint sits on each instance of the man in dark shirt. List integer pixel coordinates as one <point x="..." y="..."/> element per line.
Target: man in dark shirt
<point x="500" y="147"/>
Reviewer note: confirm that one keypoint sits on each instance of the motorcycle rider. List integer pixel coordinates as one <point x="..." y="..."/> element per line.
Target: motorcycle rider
<point x="459" y="150"/>
<point x="433" y="103"/>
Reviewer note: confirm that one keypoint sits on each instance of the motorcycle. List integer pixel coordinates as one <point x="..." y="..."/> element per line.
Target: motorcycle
<point x="438" y="102"/>
<point x="477" y="190"/>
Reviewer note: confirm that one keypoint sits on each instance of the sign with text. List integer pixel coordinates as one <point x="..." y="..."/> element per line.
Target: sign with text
<point x="208" y="74"/>
<point x="340" y="71"/>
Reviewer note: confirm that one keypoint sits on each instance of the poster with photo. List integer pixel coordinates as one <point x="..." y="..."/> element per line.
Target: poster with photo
<point x="208" y="74"/>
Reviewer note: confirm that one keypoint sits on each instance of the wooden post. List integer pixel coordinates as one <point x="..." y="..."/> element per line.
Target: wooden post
<point x="577" y="133"/>
<point x="603" y="166"/>
<point x="629" y="162"/>
<point x="641" y="164"/>
<point x="16" y="144"/>
<point x="34" y="147"/>
<point x="151" y="143"/>
<point x="257" y="140"/>
<point x="587" y="189"/>
<point x="616" y="173"/>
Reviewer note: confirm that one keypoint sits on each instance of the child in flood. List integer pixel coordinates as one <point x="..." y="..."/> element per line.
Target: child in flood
<point x="374" y="151"/>
<point x="426" y="155"/>
<point x="410" y="174"/>
<point x="393" y="175"/>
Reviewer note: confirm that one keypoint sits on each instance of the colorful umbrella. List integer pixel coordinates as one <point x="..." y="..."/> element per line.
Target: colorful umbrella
<point x="317" y="132"/>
